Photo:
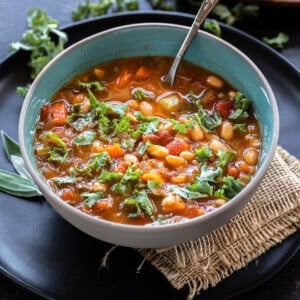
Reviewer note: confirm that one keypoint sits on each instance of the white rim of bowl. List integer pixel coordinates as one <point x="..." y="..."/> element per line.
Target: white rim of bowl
<point x="149" y="228"/>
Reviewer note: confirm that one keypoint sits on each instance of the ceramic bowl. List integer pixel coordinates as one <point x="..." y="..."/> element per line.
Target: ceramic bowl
<point x="207" y="51"/>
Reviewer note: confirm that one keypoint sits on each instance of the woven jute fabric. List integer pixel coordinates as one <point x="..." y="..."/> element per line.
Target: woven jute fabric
<point x="270" y="216"/>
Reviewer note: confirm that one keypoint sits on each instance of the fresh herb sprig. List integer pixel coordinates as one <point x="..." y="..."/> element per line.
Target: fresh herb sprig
<point x="20" y="184"/>
<point x="42" y="39"/>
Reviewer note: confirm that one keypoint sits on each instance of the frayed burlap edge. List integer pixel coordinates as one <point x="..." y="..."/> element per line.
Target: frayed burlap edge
<point x="270" y="216"/>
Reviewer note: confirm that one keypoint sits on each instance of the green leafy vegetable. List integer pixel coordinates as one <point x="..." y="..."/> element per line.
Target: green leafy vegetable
<point x="209" y="124"/>
<point x="142" y="148"/>
<point x="13" y="154"/>
<point x="210" y="174"/>
<point x="238" y="12"/>
<point x="14" y="184"/>
<point x="242" y="103"/>
<point x="213" y="26"/>
<point x="140" y="95"/>
<point x="278" y="41"/>
<point x="95" y="164"/>
<point x="139" y="202"/>
<point x="224" y="157"/>
<point x="241" y="127"/>
<point x="128" y="143"/>
<point x="141" y="117"/>
<point x="230" y="188"/>
<point x="161" y="4"/>
<point x="149" y="125"/>
<point x="121" y="125"/>
<point x="56" y="154"/>
<point x="130" y="178"/>
<point x="203" y="154"/>
<point x="19" y="185"/>
<point x="91" y="198"/>
<point x="85" y="9"/>
<point x="153" y="185"/>
<point x="119" y="109"/>
<point x="89" y="85"/>
<point x="23" y="90"/>
<point x="64" y="180"/>
<point x="37" y="39"/>
<point x="186" y="193"/>
<point x="106" y="176"/>
<point x="85" y="138"/>
<point x="181" y="127"/>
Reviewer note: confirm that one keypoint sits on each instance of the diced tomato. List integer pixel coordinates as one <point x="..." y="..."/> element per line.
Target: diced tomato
<point x="224" y="108"/>
<point x="162" y="137"/>
<point x="122" y="166"/>
<point x="176" y="147"/>
<point x="123" y="79"/>
<point x="154" y="139"/>
<point x="142" y="73"/>
<point x="165" y="137"/>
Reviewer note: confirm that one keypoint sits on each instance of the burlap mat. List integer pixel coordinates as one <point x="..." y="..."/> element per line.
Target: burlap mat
<point x="272" y="214"/>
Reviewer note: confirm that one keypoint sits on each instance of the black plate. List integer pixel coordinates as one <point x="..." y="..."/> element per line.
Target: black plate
<point x="42" y="252"/>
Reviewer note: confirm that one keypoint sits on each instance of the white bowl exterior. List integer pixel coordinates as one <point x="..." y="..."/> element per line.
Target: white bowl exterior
<point x="146" y="236"/>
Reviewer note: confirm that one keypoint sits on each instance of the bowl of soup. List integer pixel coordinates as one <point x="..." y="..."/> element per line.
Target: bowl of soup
<point x="130" y="160"/>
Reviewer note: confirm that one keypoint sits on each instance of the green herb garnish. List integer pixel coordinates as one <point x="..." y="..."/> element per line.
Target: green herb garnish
<point x="224" y="157"/>
<point x="278" y="41"/>
<point x="39" y="42"/>
<point x="106" y="176"/>
<point x="89" y="85"/>
<point x="138" y="203"/>
<point x="181" y="128"/>
<point x="213" y="26"/>
<point x="56" y="154"/>
<point x="85" y="138"/>
<point x="90" y="199"/>
<point x="203" y="154"/>
<point x="230" y="188"/>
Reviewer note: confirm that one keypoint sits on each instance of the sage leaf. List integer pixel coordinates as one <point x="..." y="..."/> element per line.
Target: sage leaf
<point x="18" y="186"/>
<point x="13" y="154"/>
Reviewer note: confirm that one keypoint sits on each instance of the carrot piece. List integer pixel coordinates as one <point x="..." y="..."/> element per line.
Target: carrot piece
<point x="99" y="73"/>
<point x="103" y="205"/>
<point x="59" y="113"/>
<point x="115" y="151"/>
<point x="69" y="195"/>
<point x="152" y="176"/>
<point x="142" y="73"/>
<point x="123" y="79"/>
<point x="45" y="113"/>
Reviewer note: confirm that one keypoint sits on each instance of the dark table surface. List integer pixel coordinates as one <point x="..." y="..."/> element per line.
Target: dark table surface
<point x="285" y="285"/>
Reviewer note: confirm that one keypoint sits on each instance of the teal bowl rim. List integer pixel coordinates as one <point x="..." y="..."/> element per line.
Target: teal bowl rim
<point x="249" y="189"/>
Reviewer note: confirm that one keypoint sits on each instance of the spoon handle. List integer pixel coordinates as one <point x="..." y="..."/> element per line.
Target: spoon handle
<point x="204" y="10"/>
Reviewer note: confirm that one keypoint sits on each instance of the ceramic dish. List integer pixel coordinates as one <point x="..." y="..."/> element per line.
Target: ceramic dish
<point x="152" y="39"/>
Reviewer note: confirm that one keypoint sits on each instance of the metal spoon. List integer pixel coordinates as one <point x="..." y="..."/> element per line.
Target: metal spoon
<point x="204" y="10"/>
